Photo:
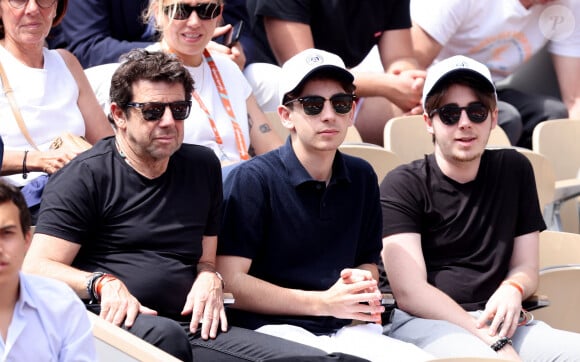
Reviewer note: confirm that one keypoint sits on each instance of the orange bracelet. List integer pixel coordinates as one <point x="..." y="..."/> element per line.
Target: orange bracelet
<point x="102" y="280"/>
<point x="514" y="284"/>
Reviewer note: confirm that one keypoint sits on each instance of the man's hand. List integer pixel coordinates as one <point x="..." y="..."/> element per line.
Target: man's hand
<point x="118" y="304"/>
<point x="205" y="303"/>
<point x="503" y="310"/>
<point x="355" y="295"/>
<point x="407" y="90"/>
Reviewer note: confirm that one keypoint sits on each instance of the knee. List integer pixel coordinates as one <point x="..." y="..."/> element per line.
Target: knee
<point x="165" y="334"/>
<point x="555" y="109"/>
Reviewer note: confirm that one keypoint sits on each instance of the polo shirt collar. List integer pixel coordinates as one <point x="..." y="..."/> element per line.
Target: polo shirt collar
<point x="298" y="175"/>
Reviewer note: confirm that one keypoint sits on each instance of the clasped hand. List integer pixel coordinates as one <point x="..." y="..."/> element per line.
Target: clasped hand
<point x="355" y="295"/>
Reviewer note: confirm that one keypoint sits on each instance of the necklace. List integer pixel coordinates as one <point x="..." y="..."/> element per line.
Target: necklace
<point x="122" y="153"/>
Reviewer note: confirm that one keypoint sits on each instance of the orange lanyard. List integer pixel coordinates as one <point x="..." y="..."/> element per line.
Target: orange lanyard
<point x="240" y="142"/>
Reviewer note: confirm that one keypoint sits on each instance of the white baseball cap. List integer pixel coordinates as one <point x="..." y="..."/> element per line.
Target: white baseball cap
<point x="308" y="62"/>
<point x="452" y="66"/>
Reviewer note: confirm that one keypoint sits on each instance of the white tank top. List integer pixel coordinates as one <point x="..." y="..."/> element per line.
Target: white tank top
<point x="47" y="99"/>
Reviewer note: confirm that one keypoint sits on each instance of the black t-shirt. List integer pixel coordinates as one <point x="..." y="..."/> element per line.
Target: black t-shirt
<point x="147" y="232"/>
<point x="347" y="28"/>
<point x="467" y="230"/>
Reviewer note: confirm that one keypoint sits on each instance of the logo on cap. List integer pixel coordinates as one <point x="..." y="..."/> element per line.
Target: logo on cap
<point x="462" y="64"/>
<point x="314" y="59"/>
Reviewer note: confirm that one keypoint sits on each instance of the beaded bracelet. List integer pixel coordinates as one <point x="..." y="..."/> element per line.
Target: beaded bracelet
<point x="501" y="343"/>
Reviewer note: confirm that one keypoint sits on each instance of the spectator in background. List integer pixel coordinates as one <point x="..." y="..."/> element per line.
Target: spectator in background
<point x="50" y="91"/>
<point x="503" y="35"/>
<point x="350" y="29"/>
<point x="40" y="318"/>
<point x="100" y="31"/>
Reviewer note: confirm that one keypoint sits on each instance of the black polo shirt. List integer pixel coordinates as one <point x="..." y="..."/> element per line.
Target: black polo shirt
<point x="299" y="232"/>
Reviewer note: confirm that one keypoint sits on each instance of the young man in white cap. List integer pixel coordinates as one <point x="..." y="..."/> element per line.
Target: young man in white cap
<point x="301" y="233"/>
<point x="460" y="232"/>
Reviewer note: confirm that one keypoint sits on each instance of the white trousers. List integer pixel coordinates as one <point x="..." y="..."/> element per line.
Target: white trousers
<point x="364" y="340"/>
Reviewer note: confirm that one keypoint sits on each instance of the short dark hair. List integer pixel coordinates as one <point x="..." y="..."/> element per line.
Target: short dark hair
<point x="154" y="66"/>
<point x="348" y="87"/>
<point x="11" y="193"/>
<point x="481" y="88"/>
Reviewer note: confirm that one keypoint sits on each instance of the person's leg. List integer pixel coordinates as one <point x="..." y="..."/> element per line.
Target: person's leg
<point x="533" y="108"/>
<point x="240" y="344"/>
<point x="263" y="79"/>
<point x="538" y="341"/>
<point x="510" y="121"/>
<point x="439" y="338"/>
<point x="163" y="333"/>
<point x="368" y="341"/>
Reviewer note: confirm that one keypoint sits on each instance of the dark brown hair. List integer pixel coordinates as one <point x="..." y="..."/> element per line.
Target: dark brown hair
<point x="141" y="64"/>
<point x="10" y="193"/>
<point x="483" y="92"/>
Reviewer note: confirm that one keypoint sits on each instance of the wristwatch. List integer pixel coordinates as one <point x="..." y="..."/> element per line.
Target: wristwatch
<point x="221" y="279"/>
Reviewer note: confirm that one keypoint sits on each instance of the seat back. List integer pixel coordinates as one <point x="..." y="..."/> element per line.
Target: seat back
<point x="407" y="137"/>
<point x="562" y="286"/>
<point x="116" y="344"/>
<point x="543" y="174"/>
<point x="352" y="134"/>
<point x="559" y="248"/>
<point x="498" y="138"/>
<point x="380" y="159"/>
<point x="559" y="141"/>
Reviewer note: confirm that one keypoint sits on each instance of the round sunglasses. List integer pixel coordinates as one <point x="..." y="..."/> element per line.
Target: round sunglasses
<point x="313" y="105"/>
<point x="153" y="111"/>
<point x="205" y="11"/>
<point x="451" y="113"/>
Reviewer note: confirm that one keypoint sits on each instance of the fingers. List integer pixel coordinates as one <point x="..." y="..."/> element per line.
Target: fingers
<point x="221" y="30"/>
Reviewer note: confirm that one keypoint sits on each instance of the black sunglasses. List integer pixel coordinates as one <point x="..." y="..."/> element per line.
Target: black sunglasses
<point x="183" y="11"/>
<point x="313" y="105"/>
<point x="153" y="111"/>
<point x="450" y="113"/>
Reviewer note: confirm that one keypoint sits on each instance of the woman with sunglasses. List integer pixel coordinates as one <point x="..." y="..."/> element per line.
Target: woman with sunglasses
<point x="225" y="115"/>
<point x="49" y="93"/>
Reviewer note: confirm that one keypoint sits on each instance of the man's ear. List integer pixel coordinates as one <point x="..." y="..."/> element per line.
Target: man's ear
<point x="118" y="115"/>
<point x="284" y="114"/>
<point x="494" y="117"/>
<point x="428" y="123"/>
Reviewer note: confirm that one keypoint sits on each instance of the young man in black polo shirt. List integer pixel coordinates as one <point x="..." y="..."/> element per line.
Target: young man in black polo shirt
<point x="300" y="239"/>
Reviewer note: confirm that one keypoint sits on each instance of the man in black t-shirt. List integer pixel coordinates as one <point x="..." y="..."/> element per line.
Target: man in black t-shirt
<point x="461" y="232"/>
<point x="131" y="225"/>
<point x="350" y="29"/>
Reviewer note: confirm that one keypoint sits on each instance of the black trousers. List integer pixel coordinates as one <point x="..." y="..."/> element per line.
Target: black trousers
<point x="520" y="112"/>
<point x="237" y="344"/>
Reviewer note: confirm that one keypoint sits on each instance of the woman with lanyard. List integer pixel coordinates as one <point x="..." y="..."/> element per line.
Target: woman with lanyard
<point x="225" y="115"/>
